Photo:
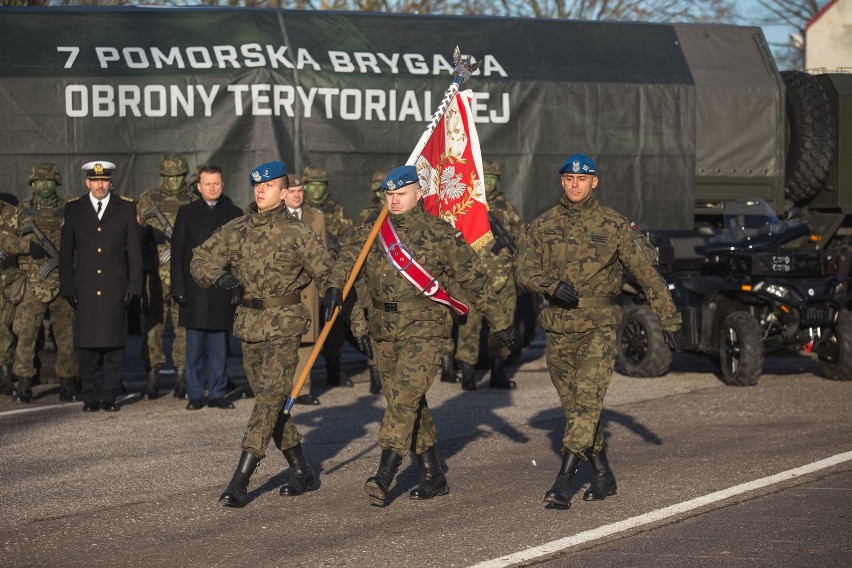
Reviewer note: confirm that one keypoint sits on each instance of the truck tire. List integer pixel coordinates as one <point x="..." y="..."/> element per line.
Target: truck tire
<point x="642" y="351"/>
<point x="840" y="369"/>
<point x="741" y="350"/>
<point x="810" y="136"/>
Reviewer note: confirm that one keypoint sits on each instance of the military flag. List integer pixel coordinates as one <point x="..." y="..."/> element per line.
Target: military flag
<point x="450" y="169"/>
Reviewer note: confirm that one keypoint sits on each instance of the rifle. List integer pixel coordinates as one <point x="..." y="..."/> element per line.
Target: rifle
<point x="154" y="212"/>
<point x="52" y="261"/>
<point x="503" y="238"/>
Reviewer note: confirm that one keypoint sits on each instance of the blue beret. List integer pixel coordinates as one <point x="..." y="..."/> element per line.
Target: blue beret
<point x="400" y="177"/>
<point x="578" y="164"/>
<point x="267" y="172"/>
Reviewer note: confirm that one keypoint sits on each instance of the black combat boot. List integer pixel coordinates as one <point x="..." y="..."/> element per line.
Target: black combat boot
<point x="468" y="381"/>
<point x="560" y="493"/>
<point x="151" y="391"/>
<point x="448" y="374"/>
<point x="377" y="486"/>
<point x="237" y="491"/>
<point x="6" y="384"/>
<point x="333" y="374"/>
<point x="180" y="383"/>
<point x="432" y="480"/>
<point x="302" y="477"/>
<point x="24" y="392"/>
<point x="499" y="380"/>
<point x="68" y="390"/>
<point x="603" y="484"/>
<point x="375" y="380"/>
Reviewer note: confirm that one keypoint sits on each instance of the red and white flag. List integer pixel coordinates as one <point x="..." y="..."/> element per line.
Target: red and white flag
<point x="450" y="169"/>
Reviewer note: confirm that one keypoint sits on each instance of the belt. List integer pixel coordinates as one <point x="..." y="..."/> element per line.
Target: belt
<point x="599" y="302"/>
<point x="263" y="303"/>
<point x="404" y="306"/>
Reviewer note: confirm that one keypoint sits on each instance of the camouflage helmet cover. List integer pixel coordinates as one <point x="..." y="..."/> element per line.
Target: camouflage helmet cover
<point x="313" y="173"/>
<point x="173" y="165"/>
<point x="378" y="178"/>
<point x="491" y="167"/>
<point x="45" y="170"/>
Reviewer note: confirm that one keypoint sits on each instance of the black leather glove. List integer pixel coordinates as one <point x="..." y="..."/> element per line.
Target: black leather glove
<point x="180" y="300"/>
<point x="128" y="298"/>
<point x="365" y="345"/>
<point x="37" y="251"/>
<point x="566" y="295"/>
<point x="509" y="338"/>
<point x="237" y="295"/>
<point x="674" y="339"/>
<point x="227" y="282"/>
<point x="332" y="299"/>
<point x="72" y="301"/>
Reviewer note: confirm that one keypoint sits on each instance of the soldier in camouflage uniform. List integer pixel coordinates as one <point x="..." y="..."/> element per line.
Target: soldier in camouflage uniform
<point x="368" y="217"/>
<point x="8" y="263"/>
<point x="574" y="254"/>
<point x="266" y="259"/>
<point x="157" y="302"/>
<point x="42" y="212"/>
<point x="408" y="328"/>
<point x="338" y="230"/>
<point x="497" y="260"/>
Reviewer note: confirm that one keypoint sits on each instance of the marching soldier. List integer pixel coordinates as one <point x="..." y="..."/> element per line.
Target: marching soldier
<point x="265" y="259"/>
<point x="367" y="217"/>
<point x="157" y="213"/>
<point x="574" y="254"/>
<point x="38" y="222"/>
<point x="507" y="226"/>
<point x="338" y="229"/>
<point x="10" y="271"/>
<point x="100" y="272"/>
<point x="407" y="325"/>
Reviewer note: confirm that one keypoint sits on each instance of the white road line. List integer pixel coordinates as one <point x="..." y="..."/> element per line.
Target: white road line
<point x="660" y="514"/>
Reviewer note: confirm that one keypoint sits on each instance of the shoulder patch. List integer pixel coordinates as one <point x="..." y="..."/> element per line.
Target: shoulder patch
<point x="633" y="225"/>
<point x="459" y="236"/>
<point x="128" y="199"/>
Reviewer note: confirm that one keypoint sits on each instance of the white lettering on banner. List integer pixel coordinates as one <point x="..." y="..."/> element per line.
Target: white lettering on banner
<point x="265" y="99"/>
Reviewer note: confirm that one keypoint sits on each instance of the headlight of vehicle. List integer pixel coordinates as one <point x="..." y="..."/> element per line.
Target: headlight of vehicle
<point x="779" y="291"/>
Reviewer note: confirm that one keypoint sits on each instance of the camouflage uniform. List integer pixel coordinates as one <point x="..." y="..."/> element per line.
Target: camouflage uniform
<point x="407" y="340"/>
<point x="7" y="309"/>
<point x="499" y="268"/>
<point x="272" y="256"/>
<point x="338" y="230"/>
<point x="587" y="245"/>
<point x="157" y="302"/>
<point x="42" y="292"/>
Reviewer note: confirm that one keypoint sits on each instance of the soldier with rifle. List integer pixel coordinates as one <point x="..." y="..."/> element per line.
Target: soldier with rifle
<point x="10" y="271"/>
<point x="38" y="223"/>
<point x="157" y="211"/>
<point x="507" y="227"/>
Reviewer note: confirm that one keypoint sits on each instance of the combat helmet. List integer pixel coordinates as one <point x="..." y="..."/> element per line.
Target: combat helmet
<point x="378" y="178"/>
<point x="173" y="165"/>
<point x="491" y="167"/>
<point x="313" y="173"/>
<point x="45" y="170"/>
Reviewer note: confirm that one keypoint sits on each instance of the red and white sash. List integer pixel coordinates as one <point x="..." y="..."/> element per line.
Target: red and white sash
<point x="401" y="259"/>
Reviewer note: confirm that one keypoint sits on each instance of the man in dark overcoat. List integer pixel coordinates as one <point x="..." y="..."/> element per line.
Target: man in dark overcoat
<point x="100" y="272"/>
<point x="205" y="313"/>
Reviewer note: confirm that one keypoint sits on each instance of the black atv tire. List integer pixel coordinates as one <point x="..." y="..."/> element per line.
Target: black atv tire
<point x="642" y="351"/>
<point x="810" y="136"/>
<point x="741" y="350"/>
<point x="843" y="247"/>
<point x="841" y="369"/>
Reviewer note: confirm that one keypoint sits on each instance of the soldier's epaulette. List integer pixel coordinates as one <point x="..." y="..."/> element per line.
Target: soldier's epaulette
<point x="73" y="199"/>
<point x="128" y="199"/>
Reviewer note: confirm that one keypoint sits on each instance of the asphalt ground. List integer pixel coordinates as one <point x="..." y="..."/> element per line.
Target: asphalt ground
<point x="140" y="487"/>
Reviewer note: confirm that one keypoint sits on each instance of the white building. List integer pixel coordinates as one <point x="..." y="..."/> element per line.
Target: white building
<point x="828" y="41"/>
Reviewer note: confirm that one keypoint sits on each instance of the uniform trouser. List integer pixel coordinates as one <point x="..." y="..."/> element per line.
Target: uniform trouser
<point x="580" y="367"/>
<point x="206" y="363"/>
<point x="269" y="367"/>
<point x="304" y="352"/>
<point x="335" y="340"/>
<point x="467" y="345"/>
<point x="7" y="340"/>
<point x="407" y="369"/>
<point x="28" y="322"/>
<point x="161" y="305"/>
<point x="92" y="388"/>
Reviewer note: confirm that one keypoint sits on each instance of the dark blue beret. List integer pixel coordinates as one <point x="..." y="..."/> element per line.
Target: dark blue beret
<point x="578" y="164"/>
<point x="400" y="177"/>
<point x="267" y="172"/>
